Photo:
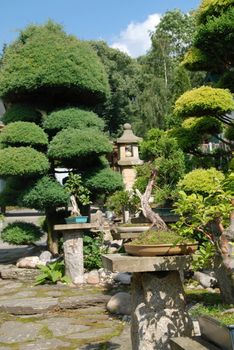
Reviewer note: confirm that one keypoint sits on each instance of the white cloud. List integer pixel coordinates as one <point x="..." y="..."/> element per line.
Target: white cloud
<point x="135" y="39"/>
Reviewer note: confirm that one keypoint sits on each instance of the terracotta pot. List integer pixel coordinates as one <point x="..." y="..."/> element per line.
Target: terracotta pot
<point x="160" y="249"/>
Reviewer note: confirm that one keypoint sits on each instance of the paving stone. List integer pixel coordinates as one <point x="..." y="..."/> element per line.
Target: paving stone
<point x="28" y="306"/>
<point x="62" y="326"/>
<point x="45" y="344"/>
<point x="14" y="332"/>
<point x="91" y="334"/>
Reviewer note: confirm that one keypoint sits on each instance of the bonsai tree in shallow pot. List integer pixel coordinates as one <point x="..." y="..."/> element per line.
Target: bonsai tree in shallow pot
<point x="158" y="240"/>
<point x="79" y="195"/>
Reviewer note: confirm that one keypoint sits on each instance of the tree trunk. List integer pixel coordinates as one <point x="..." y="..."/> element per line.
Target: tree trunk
<point x="157" y="221"/>
<point x="52" y="239"/>
<point x="224" y="263"/>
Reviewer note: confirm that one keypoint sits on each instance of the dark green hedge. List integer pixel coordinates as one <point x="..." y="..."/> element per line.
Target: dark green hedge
<point x="22" y="161"/>
<point x="23" y="134"/>
<point x="21" y="233"/>
<point x="72" y="117"/>
<point x="74" y="144"/>
<point x="21" y="112"/>
<point x="45" y="60"/>
<point x="46" y="193"/>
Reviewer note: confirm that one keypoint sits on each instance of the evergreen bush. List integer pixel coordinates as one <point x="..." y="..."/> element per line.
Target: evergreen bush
<point x="20" y="233"/>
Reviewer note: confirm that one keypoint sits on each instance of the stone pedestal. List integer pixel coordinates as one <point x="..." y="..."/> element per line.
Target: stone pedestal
<point x="73" y="249"/>
<point x="158" y="304"/>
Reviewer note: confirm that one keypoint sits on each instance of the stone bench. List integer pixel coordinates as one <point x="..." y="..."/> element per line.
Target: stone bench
<point x="186" y="343"/>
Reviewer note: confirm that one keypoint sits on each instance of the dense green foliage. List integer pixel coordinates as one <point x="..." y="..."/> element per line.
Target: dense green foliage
<point x="71" y="144"/>
<point x="164" y="155"/>
<point x="204" y="101"/>
<point x="46" y="193"/>
<point x="212" y="8"/>
<point x="122" y="73"/>
<point x="152" y="237"/>
<point x="93" y="251"/>
<point x="71" y="117"/>
<point x="21" y="112"/>
<point x="202" y="181"/>
<point x="23" y="134"/>
<point x="120" y="201"/>
<point x="45" y="60"/>
<point x="103" y="181"/>
<point x="19" y="232"/>
<point x="22" y="161"/>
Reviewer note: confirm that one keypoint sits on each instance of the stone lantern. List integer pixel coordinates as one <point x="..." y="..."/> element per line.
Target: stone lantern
<point x="128" y="155"/>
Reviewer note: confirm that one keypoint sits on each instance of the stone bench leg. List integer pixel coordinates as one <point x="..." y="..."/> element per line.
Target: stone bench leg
<point x="158" y="310"/>
<point x="73" y="255"/>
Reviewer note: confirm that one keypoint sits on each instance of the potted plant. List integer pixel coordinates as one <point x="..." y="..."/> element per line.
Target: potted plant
<point x="216" y="324"/>
<point x="79" y="195"/>
<point x="154" y="243"/>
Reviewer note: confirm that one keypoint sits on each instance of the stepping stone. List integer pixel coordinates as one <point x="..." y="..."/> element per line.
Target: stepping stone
<point x="13" y="332"/>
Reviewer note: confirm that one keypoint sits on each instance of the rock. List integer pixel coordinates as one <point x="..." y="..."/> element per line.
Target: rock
<point x="21" y="274"/>
<point x="205" y="280"/>
<point x="120" y="304"/>
<point x="123" y="277"/>
<point x="93" y="277"/>
<point x="30" y="262"/>
<point x="45" y="257"/>
<point x="105" y="276"/>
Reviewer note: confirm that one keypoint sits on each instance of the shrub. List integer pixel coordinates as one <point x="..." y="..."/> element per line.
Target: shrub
<point x="93" y="251"/>
<point x="195" y="60"/>
<point x="21" y="112"/>
<point x="212" y="8"/>
<point x="203" y="101"/>
<point x="44" y="60"/>
<point x="46" y="193"/>
<point x="202" y="181"/>
<point x="72" y="117"/>
<point x="71" y="144"/>
<point x="23" y="134"/>
<point x="21" y="233"/>
<point x="22" y="161"/>
<point x="52" y="273"/>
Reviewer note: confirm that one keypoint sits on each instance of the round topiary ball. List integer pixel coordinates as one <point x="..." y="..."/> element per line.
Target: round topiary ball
<point x="20" y="233"/>
<point x="21" y="112"/>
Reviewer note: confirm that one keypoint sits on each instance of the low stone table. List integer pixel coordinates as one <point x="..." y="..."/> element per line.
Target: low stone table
<point x="158" y="302"/>
<point x="73" y="249"/>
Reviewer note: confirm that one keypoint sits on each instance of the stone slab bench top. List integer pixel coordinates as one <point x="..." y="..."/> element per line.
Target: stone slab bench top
<point x="128" y="263"/>
<point x="197" y="343"/>
<point x="74" y="227"/>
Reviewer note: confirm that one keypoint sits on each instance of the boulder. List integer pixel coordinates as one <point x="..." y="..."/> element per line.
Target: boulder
<point x="92" y="277"/>
<point x="45" y="257"/>
<point x="123" y="277"/>
<point x="120" y="304"/>
<point x="205" y="280"/>
<point x="29" y="262"/>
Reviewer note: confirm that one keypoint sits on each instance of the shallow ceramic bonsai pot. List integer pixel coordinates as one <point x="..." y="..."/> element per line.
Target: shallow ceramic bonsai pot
<point x="76" y="219"/>
<point x="129" y="231"/>
<point x="160" y="249"/>
<point x="216" y="332"/>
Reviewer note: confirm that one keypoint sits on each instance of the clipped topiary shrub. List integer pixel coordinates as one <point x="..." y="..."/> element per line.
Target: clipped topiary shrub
<point x="201" y="180"/>
<point x="21" y="112"/>
<point x="23" y="134"/>
<point x="46" y="193"/>
<point x="44" y="61"/>
<point x="203" y="101"/>
<point x="229" y="132"/>
<point x="103" y="181"/>
<point x="72" y="117"/>
<point x="22" y="161"/>
<point x="20" y="233"/>
<point x="212" y="8"/>
<point x="73" y="143"/>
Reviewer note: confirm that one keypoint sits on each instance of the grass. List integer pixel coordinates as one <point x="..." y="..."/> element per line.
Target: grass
<point x="152" y="237"/>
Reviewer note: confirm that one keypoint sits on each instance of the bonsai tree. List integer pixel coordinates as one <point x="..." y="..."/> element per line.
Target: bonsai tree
<point x="41" y="132"/>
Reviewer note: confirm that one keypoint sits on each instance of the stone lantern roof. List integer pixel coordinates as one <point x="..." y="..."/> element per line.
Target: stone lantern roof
<point x="128" y="137"/>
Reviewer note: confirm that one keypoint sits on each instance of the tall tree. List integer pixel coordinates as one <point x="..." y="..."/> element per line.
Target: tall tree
<point x="43" y="70"/>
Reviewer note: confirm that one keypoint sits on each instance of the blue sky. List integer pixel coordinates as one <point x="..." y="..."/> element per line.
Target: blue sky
<point x="123" y="24"/>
